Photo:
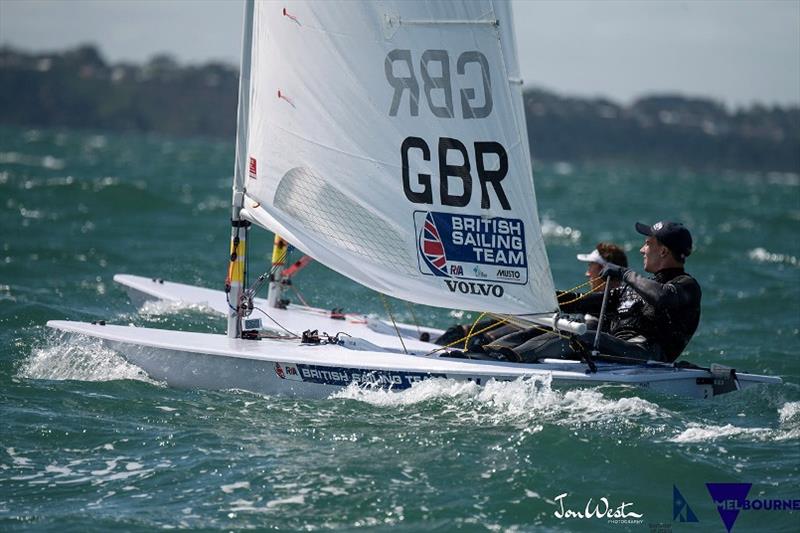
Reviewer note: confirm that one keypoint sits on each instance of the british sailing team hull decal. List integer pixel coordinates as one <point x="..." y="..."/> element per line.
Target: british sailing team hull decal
<point x="341" y="376"/>
<point x="471" y="252"/>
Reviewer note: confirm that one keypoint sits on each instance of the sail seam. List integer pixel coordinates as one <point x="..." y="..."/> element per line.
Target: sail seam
<point x="420" y="22"/>
<point x="339" y="150"/>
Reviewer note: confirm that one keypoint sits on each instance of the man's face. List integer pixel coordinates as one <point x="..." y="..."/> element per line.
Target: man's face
<point x="593" y="273"/>
<point x="653" y="253"/>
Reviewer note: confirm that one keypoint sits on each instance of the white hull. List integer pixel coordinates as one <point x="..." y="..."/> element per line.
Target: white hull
<point x="285" y="367"/>
<point x="296" y="318"/>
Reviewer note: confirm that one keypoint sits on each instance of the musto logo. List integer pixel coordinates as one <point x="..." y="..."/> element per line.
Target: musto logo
<point x="473" y="253"/>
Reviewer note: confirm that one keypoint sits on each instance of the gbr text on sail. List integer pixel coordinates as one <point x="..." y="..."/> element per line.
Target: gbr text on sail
<point x="427" y="81"/>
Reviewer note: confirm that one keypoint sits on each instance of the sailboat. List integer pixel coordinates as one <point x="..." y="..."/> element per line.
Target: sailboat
<point x="387" y="140"/>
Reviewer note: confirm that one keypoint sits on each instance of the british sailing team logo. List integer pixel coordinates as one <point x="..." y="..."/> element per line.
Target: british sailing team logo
<point x="432" y="248"/>
<point x="473" y="254"/>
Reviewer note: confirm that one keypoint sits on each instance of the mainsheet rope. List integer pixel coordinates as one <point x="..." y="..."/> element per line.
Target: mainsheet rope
<point x="501" y="319"/>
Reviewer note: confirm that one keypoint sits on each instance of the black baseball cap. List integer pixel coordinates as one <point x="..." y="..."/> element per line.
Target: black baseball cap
<point x="673" y="235"/>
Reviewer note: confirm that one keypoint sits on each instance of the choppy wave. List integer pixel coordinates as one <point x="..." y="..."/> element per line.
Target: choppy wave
<point x="164" y="307"/>
<point x="528" y="400"/>
<point x="82" y="469"/>
<point x="533" y="403"/>
<point x="790" y="413"/>
<point x="761" y="255"/>
<point x="696" y="432"/>
<point x="70" y="356"/>
<point x="788" y="429"/>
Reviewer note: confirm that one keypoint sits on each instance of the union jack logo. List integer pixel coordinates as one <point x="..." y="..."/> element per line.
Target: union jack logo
<point x="430" y="244"/>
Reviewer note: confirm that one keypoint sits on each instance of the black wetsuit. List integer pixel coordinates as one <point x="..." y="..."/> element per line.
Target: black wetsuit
<point x="646" y="319"/>
<point x="665" y="310"/>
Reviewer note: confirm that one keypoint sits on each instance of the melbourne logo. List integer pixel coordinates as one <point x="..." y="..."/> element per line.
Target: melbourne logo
<point x="480" y="251"/>
<point x="731" y="498"/>
<point x="680" y="507"/>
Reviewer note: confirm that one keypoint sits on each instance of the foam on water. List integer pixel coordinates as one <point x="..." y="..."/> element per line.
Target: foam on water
<point x="76" y="467"/>
<point x="70" y="356"/>
<point x="227" y="489"/>
<point x="790" y="413"/>
<point x="761" y="255"/>
<point x="696" y="432"/>
<point x="789" y="418"/>
<point x="788" y="429"/>
<point x="163" y="307"/>
<point x="522" y="400"/>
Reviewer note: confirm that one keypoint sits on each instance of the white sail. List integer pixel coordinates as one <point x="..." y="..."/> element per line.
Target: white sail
<point x="387" y="140"/>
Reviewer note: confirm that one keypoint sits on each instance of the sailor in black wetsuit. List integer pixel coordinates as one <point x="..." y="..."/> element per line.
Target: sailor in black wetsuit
<point x="649" y="318"/>
<point x="493" y="329"/>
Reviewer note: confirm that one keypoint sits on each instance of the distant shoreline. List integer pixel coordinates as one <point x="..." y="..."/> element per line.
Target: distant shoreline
<point x="77" y="88"/>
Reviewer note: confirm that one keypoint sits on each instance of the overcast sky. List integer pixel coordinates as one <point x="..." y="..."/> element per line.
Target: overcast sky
<point x="739" y="52"/>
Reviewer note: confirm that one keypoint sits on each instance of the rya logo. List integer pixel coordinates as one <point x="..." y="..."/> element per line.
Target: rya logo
<point x="680" y="507"/>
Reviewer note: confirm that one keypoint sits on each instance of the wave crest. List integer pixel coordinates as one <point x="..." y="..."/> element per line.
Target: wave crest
<point x="165" y="307"/>
<point x="521" y="400"/>
<point x="71" y="356"/>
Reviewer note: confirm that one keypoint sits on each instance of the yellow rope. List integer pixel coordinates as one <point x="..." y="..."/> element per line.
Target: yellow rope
<point x="508" y="319"/>
<point x="528" y="324"/>
<point x="584" y="295"/>
<point x="490" y="326"/>
<point x="466" y="339"/>
<point x="585" y="283"/>
<point x="500" y="320"/>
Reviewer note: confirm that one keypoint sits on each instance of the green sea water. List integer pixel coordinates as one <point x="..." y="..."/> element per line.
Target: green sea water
<point x="90" y="443"/>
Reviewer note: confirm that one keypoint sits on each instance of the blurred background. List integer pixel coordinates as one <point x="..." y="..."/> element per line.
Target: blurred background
<point x="690" y="84"/>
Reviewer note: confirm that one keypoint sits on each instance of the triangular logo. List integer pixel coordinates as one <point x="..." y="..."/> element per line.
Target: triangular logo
<point x="680" y="507"/>
<point x="729" y="499"/>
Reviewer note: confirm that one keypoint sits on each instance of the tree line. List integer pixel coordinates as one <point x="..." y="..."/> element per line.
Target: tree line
<point x="77" y="88"/>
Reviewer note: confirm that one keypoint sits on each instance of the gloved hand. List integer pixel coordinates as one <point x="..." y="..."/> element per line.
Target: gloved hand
<point x="613" y="272"/>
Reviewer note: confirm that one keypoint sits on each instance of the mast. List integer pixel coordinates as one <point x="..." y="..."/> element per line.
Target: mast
<point x="234" y="286"/>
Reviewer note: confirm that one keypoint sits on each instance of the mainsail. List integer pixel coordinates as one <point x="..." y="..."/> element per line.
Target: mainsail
<point x="387" y="140"/>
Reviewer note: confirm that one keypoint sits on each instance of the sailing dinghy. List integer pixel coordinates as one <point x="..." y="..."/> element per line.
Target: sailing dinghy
<point x="386" y="140"/>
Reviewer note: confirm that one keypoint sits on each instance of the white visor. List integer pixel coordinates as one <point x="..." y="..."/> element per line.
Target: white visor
<point x="593" y="257"/>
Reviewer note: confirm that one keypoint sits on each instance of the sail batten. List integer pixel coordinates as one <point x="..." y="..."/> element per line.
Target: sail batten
<point x="385" y="139"/>
<point x="490" y="22"/>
